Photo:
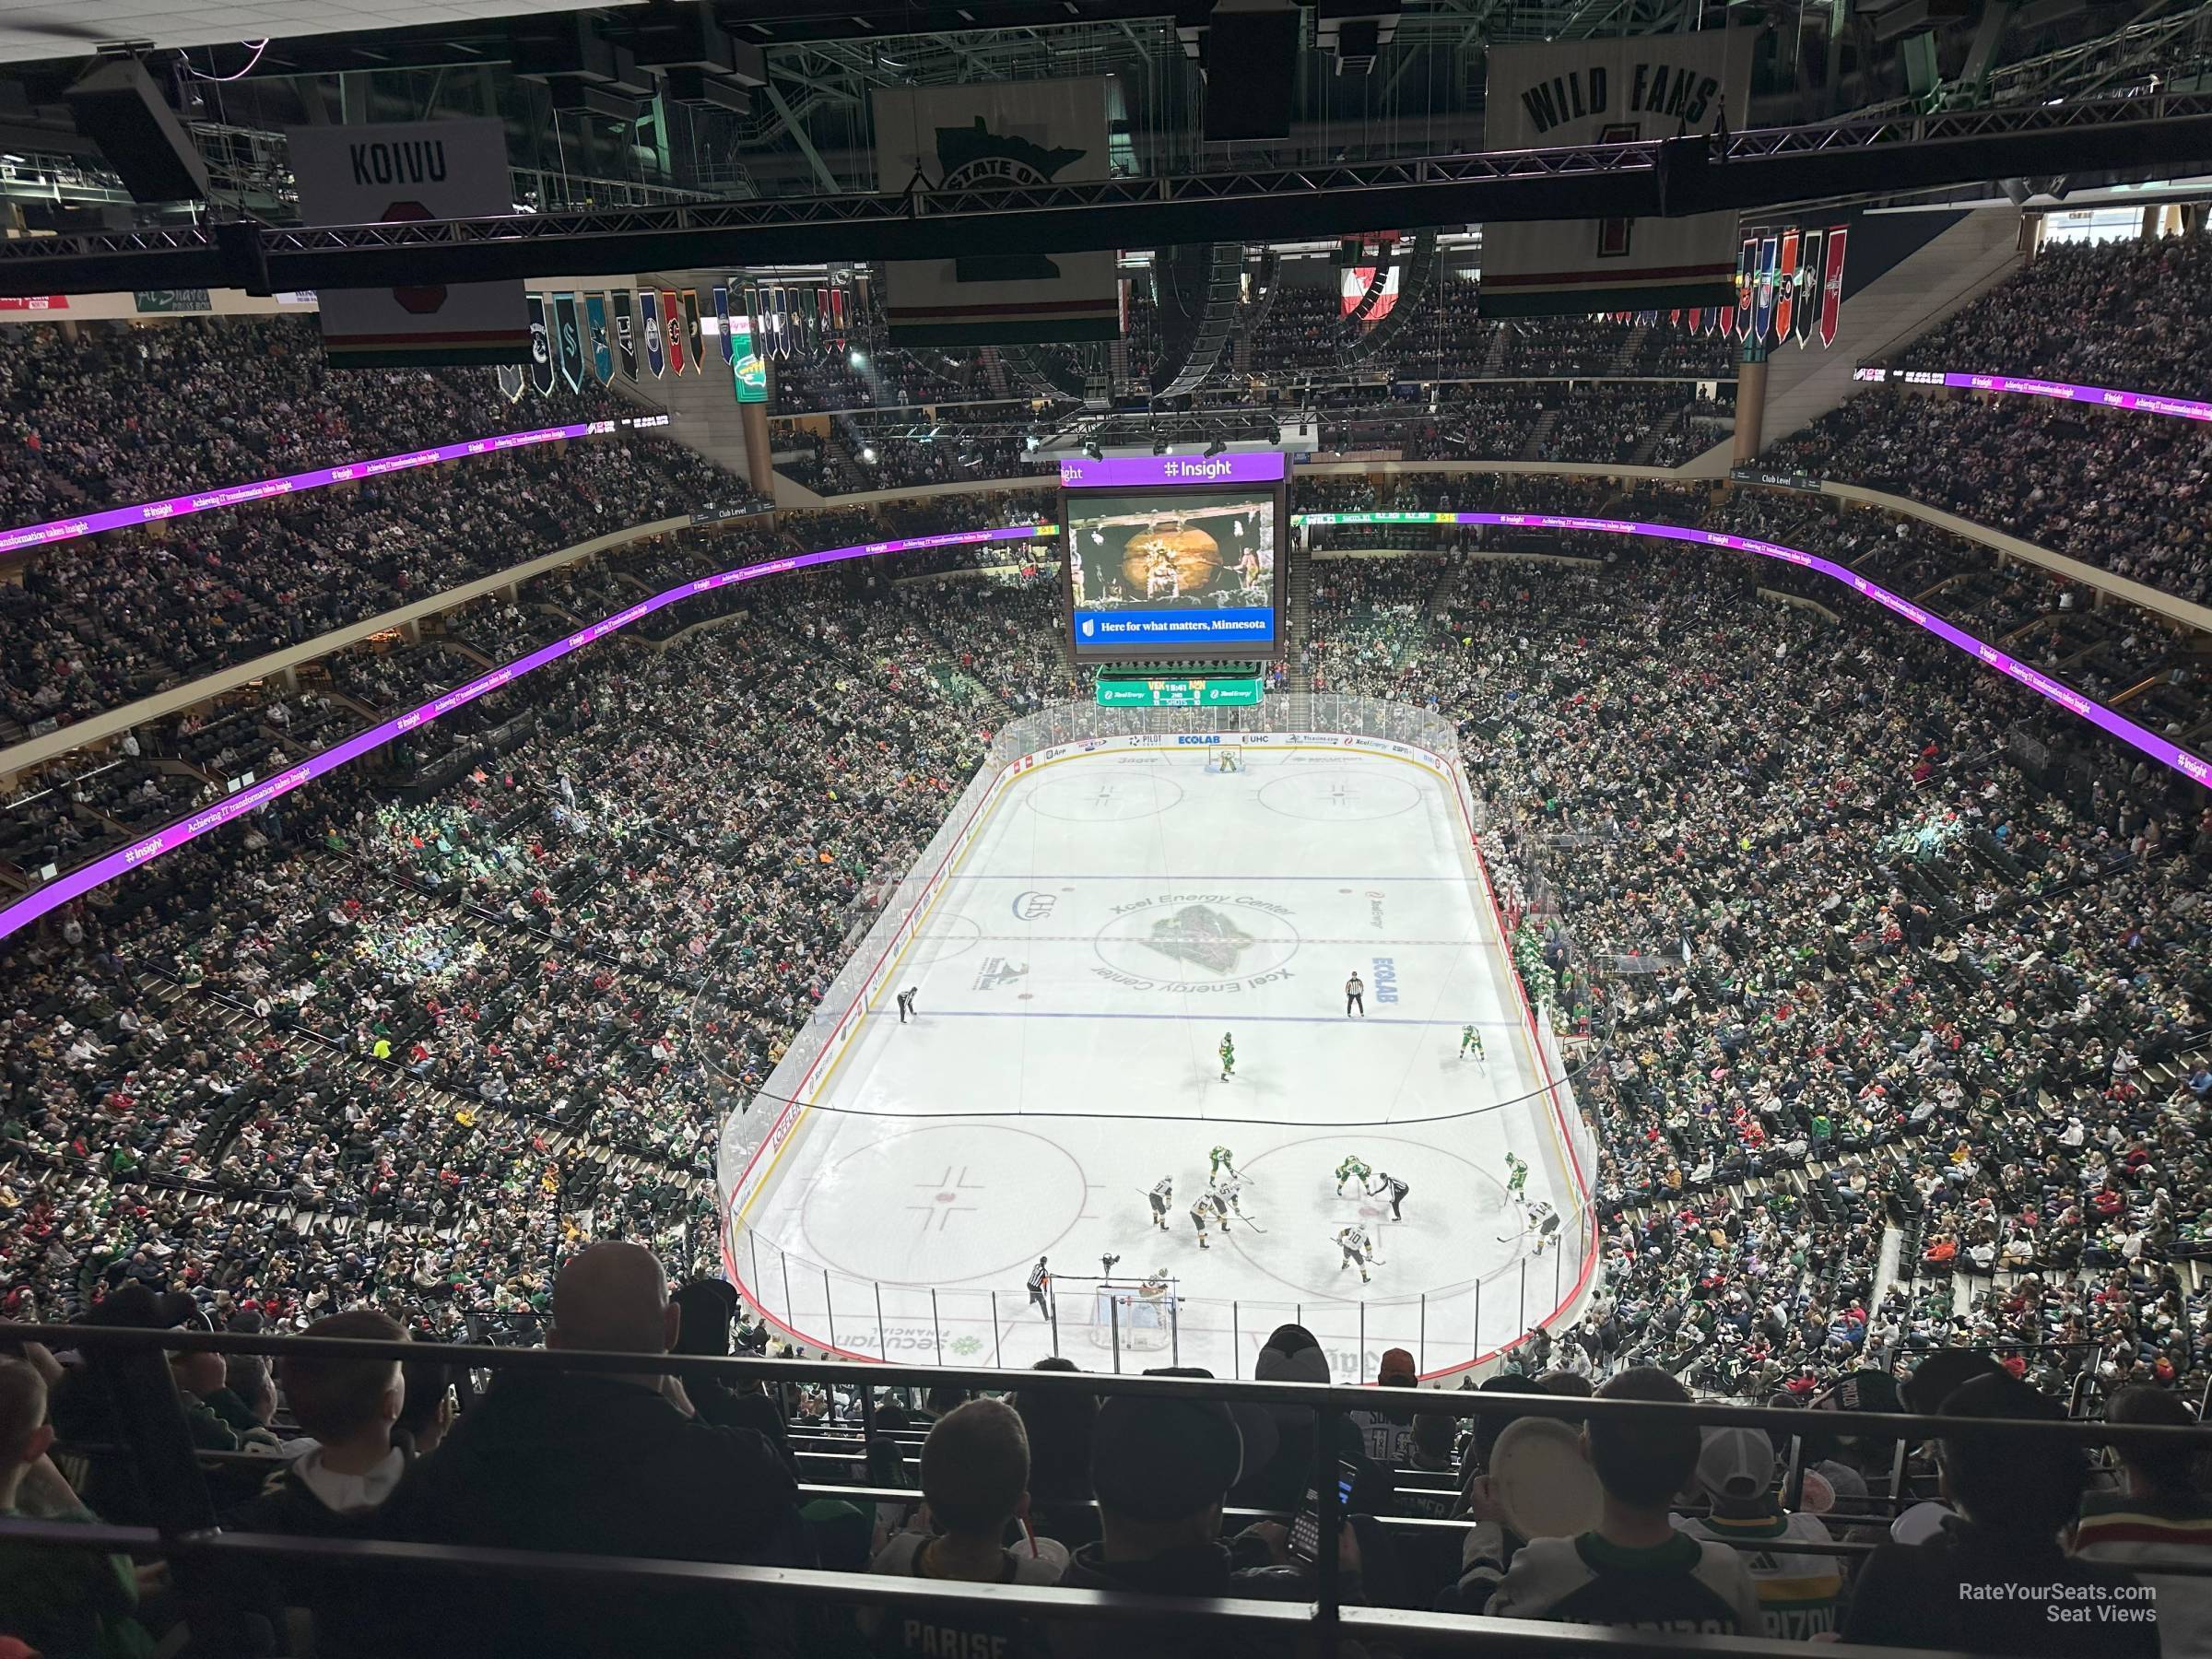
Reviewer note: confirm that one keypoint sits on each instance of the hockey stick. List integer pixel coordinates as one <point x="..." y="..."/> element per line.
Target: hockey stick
<point x="1249" y="1222"/>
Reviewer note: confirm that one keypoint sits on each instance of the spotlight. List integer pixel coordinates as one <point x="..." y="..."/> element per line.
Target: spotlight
<point x="1030" y="442"/>
<point x="1159" y="446"/>
<point x="1093" y="451"/>
<point x="1215" y="448"/>
<point x="868" y="454"/>
<point x="859" y="359"/>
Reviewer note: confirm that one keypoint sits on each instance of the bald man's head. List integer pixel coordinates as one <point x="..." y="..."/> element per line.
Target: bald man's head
<point x="613" y="1299"/>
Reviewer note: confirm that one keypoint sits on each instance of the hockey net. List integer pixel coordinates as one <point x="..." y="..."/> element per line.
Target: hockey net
<point x="1140" y="1318"/>
<point x="1230" y="757"/>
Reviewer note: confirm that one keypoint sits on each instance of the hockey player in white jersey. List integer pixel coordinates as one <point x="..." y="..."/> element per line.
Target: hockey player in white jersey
<point x="1161" y="1196"/>
<point x="1544" y="1222"/>
<point x="1352" y="1240"/>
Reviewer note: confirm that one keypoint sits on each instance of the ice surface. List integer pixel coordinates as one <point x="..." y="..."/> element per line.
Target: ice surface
<point x="1115" y="916"/>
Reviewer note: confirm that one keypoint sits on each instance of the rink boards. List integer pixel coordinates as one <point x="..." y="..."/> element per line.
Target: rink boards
<point x="1093" y="920"/>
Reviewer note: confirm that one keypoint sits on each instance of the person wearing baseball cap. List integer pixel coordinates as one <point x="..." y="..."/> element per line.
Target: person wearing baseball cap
<point x="1798" y="1594"/>
<point x="1161" y="1467"/>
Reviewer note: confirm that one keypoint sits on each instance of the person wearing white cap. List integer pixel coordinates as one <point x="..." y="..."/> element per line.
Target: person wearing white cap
<point x="1798" y="1594"/>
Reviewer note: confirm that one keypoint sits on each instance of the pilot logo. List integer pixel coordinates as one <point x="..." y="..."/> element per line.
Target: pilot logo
<point x="1200" y="934"/>
<point x="1089" y="628"/>
<point x="996" y="972"/>
<point x="1033" y="906"/>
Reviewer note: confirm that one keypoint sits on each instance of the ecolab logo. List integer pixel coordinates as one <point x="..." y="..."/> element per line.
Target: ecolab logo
<point x="1210" y="737"/>
<point x="1386" y="979"/>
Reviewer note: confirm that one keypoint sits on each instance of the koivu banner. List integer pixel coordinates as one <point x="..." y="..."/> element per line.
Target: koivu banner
<point x="1617" y="91"/>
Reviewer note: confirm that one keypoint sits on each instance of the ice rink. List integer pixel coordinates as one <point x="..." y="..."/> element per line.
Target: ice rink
<point x="1114" y="916"/>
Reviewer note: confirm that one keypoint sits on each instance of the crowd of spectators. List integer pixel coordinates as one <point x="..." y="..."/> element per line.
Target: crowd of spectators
<point x="2120" y="489"/>
<point x="1860" y="947"/>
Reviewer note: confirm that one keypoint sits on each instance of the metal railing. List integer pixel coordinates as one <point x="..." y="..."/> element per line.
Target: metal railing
<point x="206" y="1560"/>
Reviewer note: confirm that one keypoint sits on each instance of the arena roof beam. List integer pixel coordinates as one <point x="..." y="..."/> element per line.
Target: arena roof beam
<point x="1758" y="169"/>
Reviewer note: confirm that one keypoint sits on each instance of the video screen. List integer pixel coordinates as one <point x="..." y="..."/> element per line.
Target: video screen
<point x="1175" y="571"/>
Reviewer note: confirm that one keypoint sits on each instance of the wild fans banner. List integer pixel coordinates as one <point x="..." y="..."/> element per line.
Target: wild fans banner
<point x="1573" y="92"/>
<point x="399" y="171"/>
<point x="1005" y="134"/>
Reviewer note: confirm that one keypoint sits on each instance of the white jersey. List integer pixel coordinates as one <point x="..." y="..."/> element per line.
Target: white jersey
<point x="1543" y="1217"/>
<point x="1353" y="1238"/>
<point x="1165" y="1190"/>
<point x="1228" y="1191"/>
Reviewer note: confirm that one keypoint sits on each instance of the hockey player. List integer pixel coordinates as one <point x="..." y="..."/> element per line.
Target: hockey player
<point x="1352" y="1240"/>
<point x="1230" y="1193"/>
<point x="1218" y="1159"/>
<point x="1545" y="1222"/>
<point x="1161" y="1196"/>
<point x="1470" y="1039"/>
<point x="1516" y="1180"/>
<point x="1350" y="1167"/>
<point x="1040" y="1285"/>
<point x="1210" y="1209"/>
<point x="1388" y="1184"/>
<point x="1229" y="1057"/>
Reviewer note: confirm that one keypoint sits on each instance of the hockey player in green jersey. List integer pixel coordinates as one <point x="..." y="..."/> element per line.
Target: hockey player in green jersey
<point x="1470" y="1040"/>
<point x="1218" y="1159"/>
<point x="1229" y="1057"/>
<point x="1350" y="1168"/>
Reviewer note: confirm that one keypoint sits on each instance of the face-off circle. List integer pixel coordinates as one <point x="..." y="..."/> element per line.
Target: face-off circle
<point x="1339" y="794"/>
<point x="1079" y="799"/>
<point x="947" y="1204"/>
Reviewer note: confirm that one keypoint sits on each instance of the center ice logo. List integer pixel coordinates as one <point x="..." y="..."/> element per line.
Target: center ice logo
<point x="1199" y="934"/>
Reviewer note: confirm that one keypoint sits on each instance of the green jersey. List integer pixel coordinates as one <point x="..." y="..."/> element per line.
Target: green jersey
<point x="1349" y="1168"/>
<point x="1517" y="1178"/>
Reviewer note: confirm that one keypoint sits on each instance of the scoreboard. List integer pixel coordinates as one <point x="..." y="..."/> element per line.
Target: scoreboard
<point x="1175" y="555"/>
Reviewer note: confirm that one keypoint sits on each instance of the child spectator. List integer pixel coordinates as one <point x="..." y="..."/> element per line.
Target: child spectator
<point x="975" y="1477"/>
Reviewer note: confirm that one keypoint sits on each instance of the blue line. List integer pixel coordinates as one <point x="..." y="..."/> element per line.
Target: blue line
<point x="1233" y="1017"/>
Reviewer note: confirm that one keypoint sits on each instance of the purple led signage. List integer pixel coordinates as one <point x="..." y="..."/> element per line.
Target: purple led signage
<point x="2110" y="397"/>
<point x="63" y="888"/>
<point x="1150" y="472"/>
<point x="2139" y="738"/>
<point x="236" y="495"/>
